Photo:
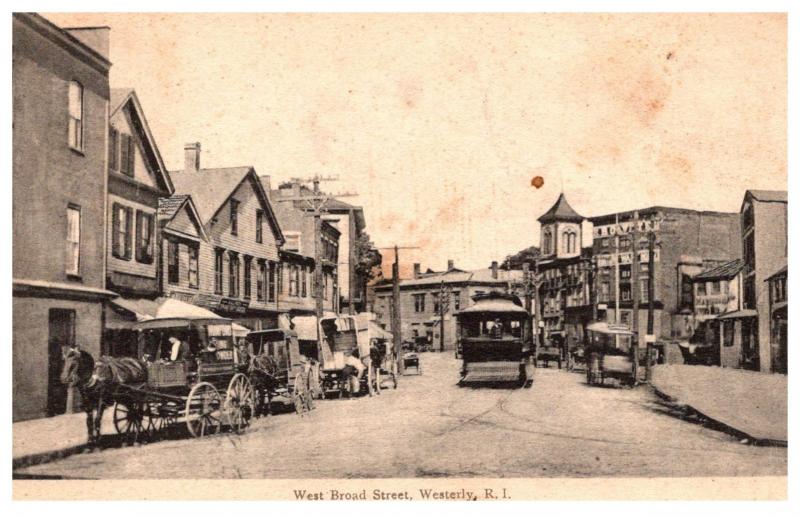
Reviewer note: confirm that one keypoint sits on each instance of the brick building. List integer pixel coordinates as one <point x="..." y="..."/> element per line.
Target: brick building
<point x="349" y="221"/>
<point x="686" y="242"/>
<point x="297" y="257"/>
<point x="238" y="266"/>
<point x="419" y="299"/>
<point x="779" y="322"/>
<point x="60" y="102"/>
<point x="764" y="242"/>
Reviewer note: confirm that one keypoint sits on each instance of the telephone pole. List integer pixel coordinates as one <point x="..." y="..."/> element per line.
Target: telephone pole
<point x="396" y="315"/>
<point x="315" y="204"/>
<point x="635" y="294"/>
<point x="444" y="306"/>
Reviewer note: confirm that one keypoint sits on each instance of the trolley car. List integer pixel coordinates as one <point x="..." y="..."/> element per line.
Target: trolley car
<point x="492" y="341"/>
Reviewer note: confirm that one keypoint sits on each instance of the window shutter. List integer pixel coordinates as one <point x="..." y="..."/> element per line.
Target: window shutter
<point x="139" y="240"/>
<point x="131" y="155"/>
<point x="115" y="230"/>
<point x="128" y="231"/>
<point x="112" y="149"/>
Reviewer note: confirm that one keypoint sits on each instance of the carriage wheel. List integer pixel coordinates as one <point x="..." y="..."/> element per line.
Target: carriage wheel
<point x="239" y="402"/>
<point x="203" y="411"/>
<point x="163" y="416"/>
<point x="129" y="417"/>
<point x="300" y="395"/>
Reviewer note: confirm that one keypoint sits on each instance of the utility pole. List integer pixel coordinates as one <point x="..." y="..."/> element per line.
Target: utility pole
<point x="396" y="313"/>
<point x="616" y="277"/>
<point x="315" y="204"/>
<point x="444" y="306"/>
<point x="526" y="278"/>
<point x="635" y="294"/>
<point x="651" y="275"/>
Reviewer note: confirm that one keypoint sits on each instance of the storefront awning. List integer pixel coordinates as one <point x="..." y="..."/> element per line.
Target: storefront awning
<point x="744" y="313"/>
<point x="602" y="327"/>
<point x="163" y="313"/>
<point x="240" y="330"/>
<point x="376" y="332"/>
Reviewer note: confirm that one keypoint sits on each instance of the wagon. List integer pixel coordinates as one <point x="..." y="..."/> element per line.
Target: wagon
<point x="610" y="354"/>
<point x="203" y="393"/>
<point x="278" y="369"/>
<point x="340" y="337"/>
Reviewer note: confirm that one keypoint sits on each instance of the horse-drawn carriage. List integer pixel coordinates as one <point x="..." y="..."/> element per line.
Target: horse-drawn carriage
<point x="278" y="369"/>
<point x="492" y="341"/>
<point x="206" y="388"/>
<point x="610" y="354"/>
<point x="551" y="350"/>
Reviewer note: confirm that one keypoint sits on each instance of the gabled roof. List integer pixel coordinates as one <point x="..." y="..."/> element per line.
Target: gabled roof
<point x="211" y="188"/>
<point x="168" y="207"/>
<point x="561" y="211"/>
<point x="478" y="276"/>
<point x="780" y="196"/>
<point x="723" y="271"/>
<point x="118" y="98"/>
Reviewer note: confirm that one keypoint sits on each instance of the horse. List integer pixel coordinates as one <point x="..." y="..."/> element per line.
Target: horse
<point x="96" y="382"/>
<point x="262" y="372"/>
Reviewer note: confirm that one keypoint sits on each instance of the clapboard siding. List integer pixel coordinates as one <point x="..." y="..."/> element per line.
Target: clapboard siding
<point x="132" y="266"/>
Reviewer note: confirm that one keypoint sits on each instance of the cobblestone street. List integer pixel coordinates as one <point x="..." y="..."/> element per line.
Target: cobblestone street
<point x="430" y="427"/>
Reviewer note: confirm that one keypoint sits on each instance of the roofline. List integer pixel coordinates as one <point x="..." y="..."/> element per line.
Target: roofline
<point x="748" y="194"/>
<point x="148" y="134"/>
<point x="60" y="36"/>
<point x="655" y="209"/>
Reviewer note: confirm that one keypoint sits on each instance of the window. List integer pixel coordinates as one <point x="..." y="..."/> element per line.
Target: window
<point x="625" y="272"/>
<point x="233" y="275"/>
<point x="304" y="283"/>
<point x="604" y="242"/>
<point x="73" y="259"/>
<point x="219" y="260"/>
<point x="273" y="284"/>
<point x="144" y="237"/>
<point x="294" y="280"/>
<point x="261" y="282"/>
<point x="547" y="241"/>
<point x="701" y="289"/>
<point x="292" y="241"/>
<point x="727" y="333"/>
<point x="437" y="306"/>
<point x="714" y="287"/>
<point x="570" y="239"/>
<point x="234" y="217"/>
<point x="279" y="274"/>
<point x="113" y="149"/>
<point x="456" y="300"/>
<point x="194" y="252"/>
<point x="173" y="262"/>
<point x="643" y="289"/>
<point x="248" y="266"/>
<point x="604" y="291"/>
<point x="419" y="302"/>
<point x="126" y="155"/>
<point x="625" y="292"/>
<point x="75" y="131"/>
<point x="259" y="226"/>
<point x="122" y="222"/>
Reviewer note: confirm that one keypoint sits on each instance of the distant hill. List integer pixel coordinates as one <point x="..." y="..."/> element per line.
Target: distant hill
<point x="516" y="260"/>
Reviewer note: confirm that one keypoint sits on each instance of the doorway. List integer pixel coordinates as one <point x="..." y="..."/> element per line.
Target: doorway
<point x="61" y="334"/>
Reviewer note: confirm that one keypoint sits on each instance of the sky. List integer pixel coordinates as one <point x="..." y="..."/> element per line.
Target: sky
<point x="439" y="122"/>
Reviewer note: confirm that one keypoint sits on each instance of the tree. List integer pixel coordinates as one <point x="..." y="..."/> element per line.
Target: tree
<point x="367" y="261"/>
<point x="516" y="260"/>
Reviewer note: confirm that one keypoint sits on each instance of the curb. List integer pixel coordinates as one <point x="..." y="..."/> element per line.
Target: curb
<point x="38" y="458"/>
<point x="722" y="426"/>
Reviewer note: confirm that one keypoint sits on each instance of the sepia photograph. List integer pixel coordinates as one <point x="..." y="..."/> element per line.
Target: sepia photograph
<point x="399" y="256"/>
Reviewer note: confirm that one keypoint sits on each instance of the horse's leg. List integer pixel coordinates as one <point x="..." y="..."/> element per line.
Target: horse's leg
<point x="98" y="419"/>
<point x="90" y="440"/>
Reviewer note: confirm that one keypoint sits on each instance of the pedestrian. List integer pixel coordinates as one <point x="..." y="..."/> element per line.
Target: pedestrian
<point x="180" y="349"/>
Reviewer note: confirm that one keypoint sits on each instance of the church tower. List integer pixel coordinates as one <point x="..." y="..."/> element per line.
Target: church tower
<point x="560" y="231"/>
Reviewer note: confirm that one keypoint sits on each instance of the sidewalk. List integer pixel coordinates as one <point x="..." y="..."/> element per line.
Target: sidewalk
<point x="752" y="404"/>
<point x="46" y="439"/>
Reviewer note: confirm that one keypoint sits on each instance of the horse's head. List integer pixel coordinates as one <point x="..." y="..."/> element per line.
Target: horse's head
<point x="78" y="366"/>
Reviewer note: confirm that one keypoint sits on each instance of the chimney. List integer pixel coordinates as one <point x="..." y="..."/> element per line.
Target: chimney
<point x="416" y="269"/>
<point x="450" y="264"/>
<point x="96" y="38"/>
<point x="494" y="269"/>
<point x="191" y="157"/>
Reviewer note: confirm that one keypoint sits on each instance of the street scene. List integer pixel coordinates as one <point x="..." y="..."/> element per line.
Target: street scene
<point x="567" y="429"/>
<point x="399" y="246"/>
